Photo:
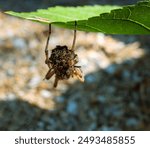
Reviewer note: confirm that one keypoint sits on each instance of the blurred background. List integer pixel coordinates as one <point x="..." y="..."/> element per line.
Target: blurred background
<point x="116" y="91"/>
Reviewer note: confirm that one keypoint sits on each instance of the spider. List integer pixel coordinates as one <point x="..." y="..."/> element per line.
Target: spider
<point x="62" y="61"/>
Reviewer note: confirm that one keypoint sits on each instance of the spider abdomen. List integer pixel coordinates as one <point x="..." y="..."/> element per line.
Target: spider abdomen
<point x="63" y="62"/>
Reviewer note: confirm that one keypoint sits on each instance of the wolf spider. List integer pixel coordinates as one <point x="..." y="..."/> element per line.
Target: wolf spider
<point x="62" y="61"/>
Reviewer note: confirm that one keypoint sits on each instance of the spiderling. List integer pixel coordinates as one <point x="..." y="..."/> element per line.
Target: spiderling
<point x="62" y="61"/>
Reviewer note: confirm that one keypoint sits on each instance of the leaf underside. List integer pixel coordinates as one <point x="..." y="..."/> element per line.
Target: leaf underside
<point x="132" y="19"/>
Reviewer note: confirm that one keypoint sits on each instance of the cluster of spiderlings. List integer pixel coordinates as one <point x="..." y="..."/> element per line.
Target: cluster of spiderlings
<point x="63" y="62"/>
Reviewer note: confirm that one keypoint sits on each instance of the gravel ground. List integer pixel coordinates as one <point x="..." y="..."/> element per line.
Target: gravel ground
<point x="114" y="96"/>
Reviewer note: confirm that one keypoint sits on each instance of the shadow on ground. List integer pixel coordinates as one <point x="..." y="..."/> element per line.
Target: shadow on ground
<point x="106" y="101"/>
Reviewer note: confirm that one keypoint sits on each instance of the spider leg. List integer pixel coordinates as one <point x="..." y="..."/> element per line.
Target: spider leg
<point x="46" y="48"/>
<point x="74" y="38"/>
<point x="78" y="74"/>
<point x="49" y="74"/>
<point x="77" y="67"/>
<point x="55" y="82"/>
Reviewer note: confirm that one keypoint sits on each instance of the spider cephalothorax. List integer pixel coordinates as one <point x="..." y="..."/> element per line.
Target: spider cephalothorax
<point x="62" y="62"/>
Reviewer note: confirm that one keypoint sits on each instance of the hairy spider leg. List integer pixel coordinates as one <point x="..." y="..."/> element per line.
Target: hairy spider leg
<point x="74" y="38"/>
<point x="77" y="66"/>
<point x="46" y="48"/>
<point x="78" y="74"/>
<point x="49" y="74"/>
<point x="55" y="82"/>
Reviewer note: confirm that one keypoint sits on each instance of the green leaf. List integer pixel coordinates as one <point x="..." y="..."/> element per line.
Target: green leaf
<point x="133" y="19"/>
<point x="129" y="20"/>
<point x="65" y="16"/>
